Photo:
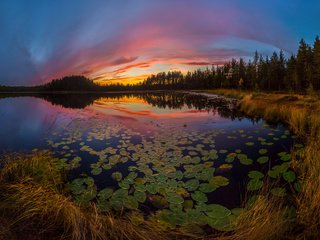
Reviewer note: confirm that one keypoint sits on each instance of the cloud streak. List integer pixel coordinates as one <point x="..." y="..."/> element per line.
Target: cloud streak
<point x="124" y="40"/>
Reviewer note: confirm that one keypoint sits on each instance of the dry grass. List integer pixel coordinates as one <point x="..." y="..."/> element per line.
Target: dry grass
<point x="229" y="93"/>
<point x="265" y="219"/>
<point x="33" y="205"/>
<point x="308" y="207"/>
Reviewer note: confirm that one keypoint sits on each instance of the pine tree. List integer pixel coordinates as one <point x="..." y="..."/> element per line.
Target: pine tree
<point x="302" y="60"/>
<point x="316" y="63"/>
<point x="291" y="79"/>
<point x="282" y="70"/>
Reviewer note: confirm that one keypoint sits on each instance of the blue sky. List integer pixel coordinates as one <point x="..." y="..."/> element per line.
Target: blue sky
<point x="112" y="41"/>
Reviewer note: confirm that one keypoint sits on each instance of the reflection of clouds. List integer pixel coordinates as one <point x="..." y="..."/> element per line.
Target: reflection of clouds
<point x="23" y="121"/>
<point x="128" y="109"/>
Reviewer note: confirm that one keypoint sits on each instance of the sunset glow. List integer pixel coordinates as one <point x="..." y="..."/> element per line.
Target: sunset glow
<point x="113" y="42"/>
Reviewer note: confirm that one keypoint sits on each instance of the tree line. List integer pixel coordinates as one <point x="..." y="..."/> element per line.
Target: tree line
<point x="300" y="72"/>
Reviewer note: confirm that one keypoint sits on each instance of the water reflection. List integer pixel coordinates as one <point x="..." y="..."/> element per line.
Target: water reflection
<point x="162" y="100"/>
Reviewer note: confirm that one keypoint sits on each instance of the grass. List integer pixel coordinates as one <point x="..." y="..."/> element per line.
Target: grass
<point x="265" y="219"/>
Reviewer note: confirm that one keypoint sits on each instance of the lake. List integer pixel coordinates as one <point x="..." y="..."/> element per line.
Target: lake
<point x="169" y="153"/>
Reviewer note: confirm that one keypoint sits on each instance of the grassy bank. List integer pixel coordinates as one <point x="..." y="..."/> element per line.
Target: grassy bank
<point x="302" y="114"/>
<point x="35" y="204"/>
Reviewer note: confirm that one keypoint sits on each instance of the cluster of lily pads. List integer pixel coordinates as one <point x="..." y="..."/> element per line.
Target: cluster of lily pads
<point x="172" y="171"/>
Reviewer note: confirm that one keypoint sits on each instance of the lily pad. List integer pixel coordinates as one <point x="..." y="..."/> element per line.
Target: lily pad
<point x="219" y="181"/>
<point x="289" y="176"/>
<point x="246" y="161"/>
<point x="159" y="201"/>
<point x="199" y="196"/>
<point x="263" y="151"/>
<point x="263" y="159"/>
<point x="174" y="198"/>
<point x="130" y="202"/>
<point x="207" y="187"/>
<point x="96" y="171"/>
<point x="105" y="193"/>
<point x="250" y="143"/>
<point x="117" y="176"/>
<point x="192" y="184"/>
<point x="222" y="224"/>
<point x="140" y="196"/>
<point x="254" y="184"/>
<point x="217" y="211"/>
<point x="255" y="175"/>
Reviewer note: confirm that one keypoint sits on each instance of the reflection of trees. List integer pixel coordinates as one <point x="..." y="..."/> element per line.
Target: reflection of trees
<point x="171" y="100"/>
<point x="66" y="100"/>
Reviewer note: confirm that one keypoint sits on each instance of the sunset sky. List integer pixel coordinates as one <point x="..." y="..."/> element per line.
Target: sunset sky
<point x="126" y="40"/>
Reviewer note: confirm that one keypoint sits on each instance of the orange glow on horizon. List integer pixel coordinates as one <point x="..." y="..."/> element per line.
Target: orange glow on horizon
<point x="124" y="80"/>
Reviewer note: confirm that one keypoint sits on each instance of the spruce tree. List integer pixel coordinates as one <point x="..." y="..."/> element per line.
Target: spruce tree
<point x="316" y="63"/>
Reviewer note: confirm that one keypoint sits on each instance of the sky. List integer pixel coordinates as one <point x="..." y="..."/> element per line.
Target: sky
<point x="127" y="40"/>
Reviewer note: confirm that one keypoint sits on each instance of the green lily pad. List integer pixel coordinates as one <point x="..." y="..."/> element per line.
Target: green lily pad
<point x="219" y="181"/>
<point x="284" y="156"/>
<point x="273" y="173"/>
<point x="217" y="211"/>
<point x="289" y="176"/>
<point x="237" y="211"/>
<point x="140" y="196"/>
<point x="174" y="198"/>
<point x="96" y="171"/>
<point x="206" y="174"/>
<point x="297" y="186"/>
<point x="105" y="193"/>
<point x="188" y="204"/>
<point x="152" y="188"/>
<point x="130" y="202"/>
<point x="86" y="196"/>
<point x="207" y="187"/>
<point x="263" y="151"/>
<point x="254" y="184"/>
<point x="246" y="161"/>
<point x="199" y="196"/>
<point x="125" y="184"/>
<point x="222" y="224"/>
<point x="117" y="176"/>
<point x="173" y="218"/>
<point x="250" y="143"/>
<point x="255" y="175"/>
<point x="192" y="184"/>
<point x="195" y="217"/>
<point x="263" y="159"/>
<point x="297" y="145"/>
<point x="159" y="201"/>
<point x="229" y="159"/>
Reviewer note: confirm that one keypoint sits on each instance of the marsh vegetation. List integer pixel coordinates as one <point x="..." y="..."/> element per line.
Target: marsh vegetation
<point x="176" y="165"/>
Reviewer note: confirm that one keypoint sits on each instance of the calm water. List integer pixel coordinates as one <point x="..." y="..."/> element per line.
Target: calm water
<point x="163" y="150"/>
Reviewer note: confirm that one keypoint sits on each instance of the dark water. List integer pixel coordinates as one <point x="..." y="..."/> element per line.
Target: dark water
<point x="160" y="140"/>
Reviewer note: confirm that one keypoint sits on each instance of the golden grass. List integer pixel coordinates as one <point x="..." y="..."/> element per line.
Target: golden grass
<point x="33" y="205"/>
<point x="265" y="219"/>
<point x="308" y="200"/>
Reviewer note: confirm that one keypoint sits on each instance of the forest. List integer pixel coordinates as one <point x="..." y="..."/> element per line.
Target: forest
<point x="298" y="73"/>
